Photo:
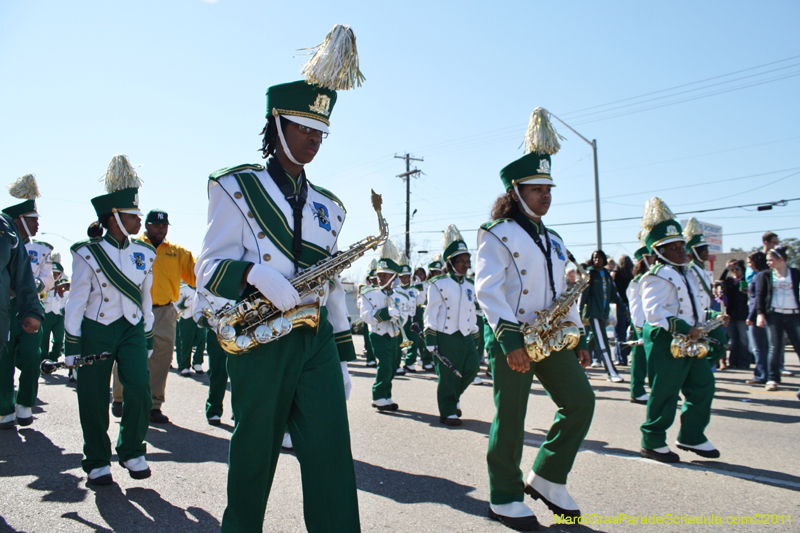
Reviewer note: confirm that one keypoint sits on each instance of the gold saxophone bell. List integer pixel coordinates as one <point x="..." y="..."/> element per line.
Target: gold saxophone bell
<point x="303" y="316"/>
<point x="683" y="346"/>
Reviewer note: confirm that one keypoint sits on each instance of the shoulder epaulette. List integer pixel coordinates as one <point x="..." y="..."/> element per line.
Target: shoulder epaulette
<point x="44" y="243"/>
<point x="418" y="286"/>
<point x="332" y="197"/>
<point x="436" y="278"/>
<point x="401" y="293"/>
<point x="369" y="289"/>
<point x="493" y="223"/>
<point x="80" y="244"/>
<point x="638" y="277"/>
<point x="655" y="268"/>
<point x="142" y="243"/>
<point x="554" y="233"/>
<point x="233" y="170"/>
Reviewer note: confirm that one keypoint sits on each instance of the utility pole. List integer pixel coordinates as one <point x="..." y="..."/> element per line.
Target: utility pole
<point x="407" y="177"/>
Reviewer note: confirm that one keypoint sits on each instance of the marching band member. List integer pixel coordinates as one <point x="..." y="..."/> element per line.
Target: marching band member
<point x="595" y="305"/>
<point x="372" y="281"/>
<point x="217" y="357"/>
<point x="520" y="267"/>
<point x="383" y="311"/>
<point x="192" y="335"/>
<point x="23" y="349"/>
<point x="450" y="326"/>
<point x="674" y="301"/>
<point x="265" y="223"/>
<point x="53" y="304"/>
<point x="110" y="310"/>
<point x="412" y="305"/>
<point x="638" y="358"/>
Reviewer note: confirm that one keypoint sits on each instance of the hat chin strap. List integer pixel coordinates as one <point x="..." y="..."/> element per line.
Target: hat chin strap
<point x="283" y="142"/>
<point x="453" y="269"/>
<point x="655" y="251"/>
<point x="694" y="253"/>
<point x="388" y="283"/>
<point x="524" y="206"/>
<point x="121" y="225"/>
<point x="25" y="225"/>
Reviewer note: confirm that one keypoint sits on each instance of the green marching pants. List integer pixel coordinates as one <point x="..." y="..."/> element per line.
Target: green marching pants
<point x="217" y="375"/>
<point x="638" y="366"/>
<point x="128" y="348"/>
<point x="370" y="356"/>
<point x="191" y="335"/>
<point x="480" y="342"/>
<point x="23" y="352"/>
<point x="566" y="383"/>
<point x="53" y="324"/>
<point x="459" y="350"/>
<point x="387" y="352"/>
<point x="413" y="336"/>
<point x="293" y="381"/>
<point x="669" y="376"/>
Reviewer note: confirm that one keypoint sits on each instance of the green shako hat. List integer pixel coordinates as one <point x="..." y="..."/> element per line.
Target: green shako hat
<point x="373" y="265"/>
<point x="436" y="263"/>
<point x="660" y="223"/>
<point x="405" y="268"/>
<point x="24" y="188"/>
<point x="642" y="250"/>
<point x="541" y="141"/>
<point x="389" y="257"/>
<point x="694" y="235"/>
<point x="452" y="243"/>
<point x="122" y="185"/>
<point x="333" y="67"/>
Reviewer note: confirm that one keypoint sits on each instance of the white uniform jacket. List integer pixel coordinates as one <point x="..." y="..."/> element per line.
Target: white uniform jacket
<point x="451" y="308"/>
<point x="41" y="263"/>
<point x="635" y="303"/>
<point x="666" y="299"/>
<point x="53" y="303"/>
<point x="704" y="279"/>
<point x="410" y="303"/>
<point x="93" y="296"/>
<point x="185" y="301"/>
<point x="255" y="225"/>
<point x="205" y="300"/>
<point x="373" y="312"/>
<point x="512" y="282"/>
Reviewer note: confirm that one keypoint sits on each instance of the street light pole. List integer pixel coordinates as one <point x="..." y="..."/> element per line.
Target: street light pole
<point x="593" y="144"/>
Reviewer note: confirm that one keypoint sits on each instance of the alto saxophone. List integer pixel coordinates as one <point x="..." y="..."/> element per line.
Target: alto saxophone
<point x="255" y="320"/>
<point x="683" y="345"/>
<point x="548" y="333"/>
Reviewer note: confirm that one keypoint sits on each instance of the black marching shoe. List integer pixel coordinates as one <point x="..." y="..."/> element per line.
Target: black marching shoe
<point x="409" y="369"/>
<point x="569" y="513"/>
<point x="522" y="523"/>
<point x="157" y="417"/>
<point x="708" y="454"/>
<point x="116" y="409"/>
<point x="452" y="422"/>
<point x="669" y="457"/>
<point x="102" y="477"/>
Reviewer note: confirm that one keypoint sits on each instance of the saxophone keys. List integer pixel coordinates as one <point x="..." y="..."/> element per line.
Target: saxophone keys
<point x="227" y="333"/>
<point x="263" y="334"/>
<point x="243" y="342"/>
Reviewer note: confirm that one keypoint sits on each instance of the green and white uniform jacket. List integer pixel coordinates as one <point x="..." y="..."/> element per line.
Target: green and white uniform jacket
<point x="665" y="299"/>
<point x="250" y="221"/>
<point x="451" y="308"/>
<point x="93" y="295"/>
<point x="635" y="302"/>
<point x="375" y="313"/>
<point x="512" y="282"/>
<point x="41" y="263"/>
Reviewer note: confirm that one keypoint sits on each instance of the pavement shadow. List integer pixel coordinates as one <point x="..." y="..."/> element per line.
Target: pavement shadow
<point x="772" y="403"/>
<point x="5" y="528"/>
<point x="156" y="514"/>
<point x="407" y="488"/>
<point x="756" y="475"/>
<point x="29" y="453"/>
<point x="760" y="416"/>
<point x="182" y="445"/>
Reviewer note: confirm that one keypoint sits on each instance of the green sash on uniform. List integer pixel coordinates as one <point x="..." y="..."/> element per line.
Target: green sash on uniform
<point x="702" y="278"/>
<point x="117" y="278"/>
<point x="272" y="221"/>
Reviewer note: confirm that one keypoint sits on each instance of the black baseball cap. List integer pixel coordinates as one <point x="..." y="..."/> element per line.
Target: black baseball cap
<point x="157" y="216"/>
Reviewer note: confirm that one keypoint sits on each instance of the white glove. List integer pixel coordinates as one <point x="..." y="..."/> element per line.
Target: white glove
<point x="149" y="354"/>
<point x="274" y="287"/>
<point x="393" y="313"/>
<point x="70" y="360"/>
<point x="348" y="385"/>
<point x="475" y="329"/>
<point x="431" y="348"/>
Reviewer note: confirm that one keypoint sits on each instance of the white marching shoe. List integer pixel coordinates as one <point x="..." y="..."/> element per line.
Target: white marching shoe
<point x="137" y="467"/>
<point x="100" y="476"/>
<point x="24" y="415"/>
<point x="554" y="495"/>
<point x="705" y="449"/>
<point x="515" y="515"/>
<point x="287" y="442"/>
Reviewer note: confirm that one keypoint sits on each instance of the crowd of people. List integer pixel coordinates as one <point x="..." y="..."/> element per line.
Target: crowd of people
<point x="268" y="224"/>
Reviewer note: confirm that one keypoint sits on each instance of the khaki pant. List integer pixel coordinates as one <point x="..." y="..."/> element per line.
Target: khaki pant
<point x="166" y="318"/>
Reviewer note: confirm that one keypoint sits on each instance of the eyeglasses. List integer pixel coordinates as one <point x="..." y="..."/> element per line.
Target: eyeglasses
<point x="311" y="131"/>
<point x="465" y="262"/>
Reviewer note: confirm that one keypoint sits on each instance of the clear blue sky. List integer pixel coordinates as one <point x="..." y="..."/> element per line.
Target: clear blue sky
<point x="179" y="87"/>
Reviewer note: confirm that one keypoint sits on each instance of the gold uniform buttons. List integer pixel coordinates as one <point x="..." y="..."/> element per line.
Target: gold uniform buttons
<point x="102" y="314"/>
<point x="267" y="257"/>
<point x="522" y="311"/>
<point x="525" y="291"/>
<point x="680" y="299"/>
<point x="328" y="248"/>
<point x="261" y="235"/>
<point x="516" y="254"/>
<point x="524" y="272"/>
<point x="339" y="218"/>
<point x="237" y="195"/>
<point x="105" y="285"/>
<point x="249" y="214"/>
<point x="98" y="270"/>
<point x="88" y="257"/>
<point x="322" y="293"/>
<point x="334" y="232"/>
<point x="505" y="239"/>
<point x="105" y="299"/>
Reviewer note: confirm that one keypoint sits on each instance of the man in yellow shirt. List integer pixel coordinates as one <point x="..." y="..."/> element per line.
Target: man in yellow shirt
<point x="173" y="263"/>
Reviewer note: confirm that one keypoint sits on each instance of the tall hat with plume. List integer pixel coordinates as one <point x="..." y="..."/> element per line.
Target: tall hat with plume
<point x="24" y="188"/>
<point x="405" y="268"/>
<point x="373" y="265"/>
<point x="436" y="263"/>
<point x="452" y="243"/>
<point x="122" y="187"/>
<point x="57" y="266"/>
<point x="694" y="235"/>
<point x="660" y="224"/>
<point x="309" y="102"/>
<point x="642" y="250"/>
<point x="389" y="257"/>
<point x="541" y="142"/>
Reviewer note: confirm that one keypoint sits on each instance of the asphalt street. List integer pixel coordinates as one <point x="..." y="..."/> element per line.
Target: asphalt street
<point x="414" y="474"/>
